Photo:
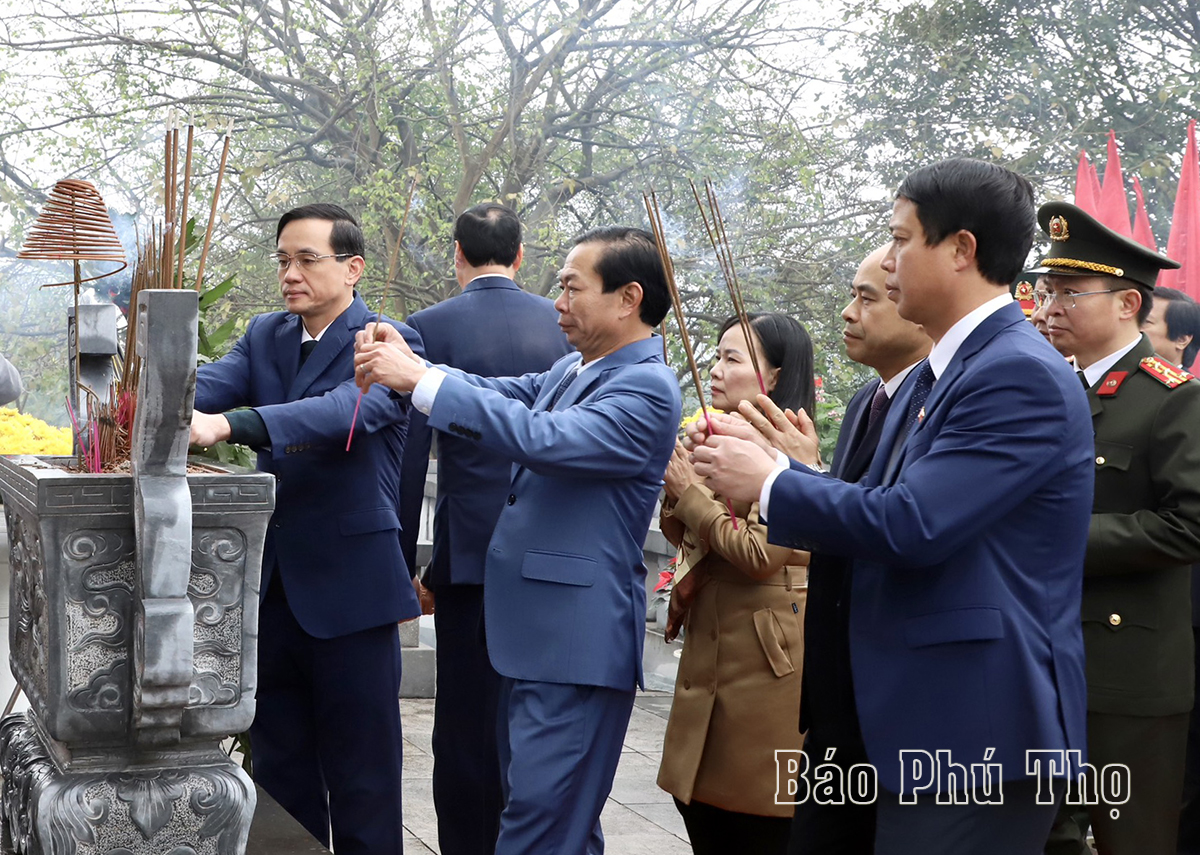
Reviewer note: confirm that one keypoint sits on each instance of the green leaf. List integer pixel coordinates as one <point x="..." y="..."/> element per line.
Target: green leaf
<point x="210" y="295"/>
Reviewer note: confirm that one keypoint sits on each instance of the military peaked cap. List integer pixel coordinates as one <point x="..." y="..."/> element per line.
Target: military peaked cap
<point x="1080" y="245"/>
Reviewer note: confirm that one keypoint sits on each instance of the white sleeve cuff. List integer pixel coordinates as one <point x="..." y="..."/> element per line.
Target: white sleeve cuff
<point x="427" y="388"/>
<point x="782" y="464"/>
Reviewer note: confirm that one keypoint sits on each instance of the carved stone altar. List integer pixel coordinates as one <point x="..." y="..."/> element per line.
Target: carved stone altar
<point x="133" y="631"/>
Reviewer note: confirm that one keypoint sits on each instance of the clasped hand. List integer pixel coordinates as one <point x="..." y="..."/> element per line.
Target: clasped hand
<point x="381" y="355"/>
<point x="738" y="455"/>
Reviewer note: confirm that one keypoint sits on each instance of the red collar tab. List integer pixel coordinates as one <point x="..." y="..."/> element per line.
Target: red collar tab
<point x="1111" y="383"/>
<point x="1164" y="372"/>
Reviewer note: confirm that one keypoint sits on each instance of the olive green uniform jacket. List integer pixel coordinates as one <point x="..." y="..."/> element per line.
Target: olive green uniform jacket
<point x="1145" y="534"/>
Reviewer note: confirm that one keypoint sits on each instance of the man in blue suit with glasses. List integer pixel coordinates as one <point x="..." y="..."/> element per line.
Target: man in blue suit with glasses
<point x="326" y="737"/>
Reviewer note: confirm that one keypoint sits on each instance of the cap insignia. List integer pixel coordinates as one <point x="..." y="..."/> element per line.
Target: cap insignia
<point x="1058" y="228"/>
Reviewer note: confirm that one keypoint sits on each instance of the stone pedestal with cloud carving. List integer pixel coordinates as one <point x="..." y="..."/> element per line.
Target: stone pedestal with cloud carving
<point x="133" y="632"/>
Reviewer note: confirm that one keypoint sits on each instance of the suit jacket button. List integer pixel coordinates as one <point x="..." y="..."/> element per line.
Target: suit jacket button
<point x="512" y="498"/>
<point x="454" y="427"/>
<point x="1099" y="461"/>
<point x="687" y="684"/>
<point x="1114" y="619"/>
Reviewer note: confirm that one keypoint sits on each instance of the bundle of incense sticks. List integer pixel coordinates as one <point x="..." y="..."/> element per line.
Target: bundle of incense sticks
<point x="660" y="241"/>
<point x="160" y="264"/>
<point x="714" y="225"/>
<point x="395" y="259"/>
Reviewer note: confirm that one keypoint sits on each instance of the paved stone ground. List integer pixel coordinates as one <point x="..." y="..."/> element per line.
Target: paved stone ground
<point x="639" y="818"/>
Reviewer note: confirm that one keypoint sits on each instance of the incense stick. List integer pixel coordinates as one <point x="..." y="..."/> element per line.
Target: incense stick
<point x="725" y="261"/>
<point x="212" y="216"/>
<point x="187" y="189"/>
<point x="656" y="228"/>
<point x="412" y="188"/>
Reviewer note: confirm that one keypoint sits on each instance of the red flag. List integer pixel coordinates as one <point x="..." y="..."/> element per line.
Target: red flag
<point x="1142" y="232"/>
<point x="1087" y="185"/>
<point x="1113" y="209"/>
<point x="1184" y="243"/>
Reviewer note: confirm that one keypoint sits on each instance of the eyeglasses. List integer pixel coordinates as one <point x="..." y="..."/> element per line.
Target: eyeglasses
<point x="303" y="260"/>
<point x="1065" y="299"/>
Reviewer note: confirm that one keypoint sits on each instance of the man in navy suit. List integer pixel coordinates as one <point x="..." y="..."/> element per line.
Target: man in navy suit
<point x="493" y="329"/>
<point x="564" y="591"/>
<point x="875" y="336"/>
<point x="967" y="535"/>
<point x="326" y="737"/>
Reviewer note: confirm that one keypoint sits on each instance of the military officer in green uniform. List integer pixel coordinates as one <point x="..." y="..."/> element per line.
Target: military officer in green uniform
<point x="1145" y="530"/>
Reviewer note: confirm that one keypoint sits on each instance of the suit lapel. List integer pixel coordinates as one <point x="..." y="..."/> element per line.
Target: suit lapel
<point x="1128" y="363"/>
<point x="553" y="381"/>
<point x="287" y="350"/>
<point x="855" y="423"/>
<point x="638" y="351"/>
<point x="892" y="423"/>
<point x="333" y="342"/>
<point x="864" y="449"/>
<point x="988" y="329"/>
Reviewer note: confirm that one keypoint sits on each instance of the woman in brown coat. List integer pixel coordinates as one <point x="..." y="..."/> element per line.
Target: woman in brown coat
<point x="741" y="603"/>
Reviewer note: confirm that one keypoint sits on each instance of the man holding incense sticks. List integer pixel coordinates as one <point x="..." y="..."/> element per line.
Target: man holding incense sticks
<point x="966" y="537"/>
<point x="493" y="329"/>
<point x="564" y="583"/>
<point x="326" y="738"/>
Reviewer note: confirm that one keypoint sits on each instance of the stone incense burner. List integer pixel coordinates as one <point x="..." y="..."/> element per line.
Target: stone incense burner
<point x="133" y="631"/>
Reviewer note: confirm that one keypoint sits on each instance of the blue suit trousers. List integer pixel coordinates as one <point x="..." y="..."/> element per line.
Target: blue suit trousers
<point x="559" y="748"/>
<point x="322" y="718"/>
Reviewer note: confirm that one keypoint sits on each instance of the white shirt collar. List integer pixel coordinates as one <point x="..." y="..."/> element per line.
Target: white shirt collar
<point x="943" y="351"/>
<point x="892" y="385"/>
<point x="304" y="336"/>
<point x="580" y="367"/>
<point x="489" y="276"/>
<point x="1094" y="372"/>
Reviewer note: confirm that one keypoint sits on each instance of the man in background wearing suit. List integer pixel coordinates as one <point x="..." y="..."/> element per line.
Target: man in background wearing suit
<point x="326" y="737"/>
<point x="493" y="329"/>
<point x="1145" y="528"/>
<point x="964" y="623"/>
<point x="564" y="590"/>
<point x="1173" y="326"/>
<point x="875" y="336"/>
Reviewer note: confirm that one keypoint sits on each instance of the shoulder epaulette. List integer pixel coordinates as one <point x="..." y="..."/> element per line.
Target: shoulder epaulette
<point x="1164" y="372"/>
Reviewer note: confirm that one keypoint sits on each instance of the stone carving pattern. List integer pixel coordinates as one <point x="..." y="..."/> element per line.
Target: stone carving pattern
<point x="204" y="495"/>
<point x="216" y="590"/>
<point x="98" y="622"/>
<point x="198" y="811"/>
<point x="28" y="608"/>
<point x="97" y="610"/>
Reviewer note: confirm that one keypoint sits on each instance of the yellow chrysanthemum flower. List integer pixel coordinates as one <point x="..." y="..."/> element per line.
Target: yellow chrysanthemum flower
<point x="696" y="416"/>
<point x="24" y="434"/>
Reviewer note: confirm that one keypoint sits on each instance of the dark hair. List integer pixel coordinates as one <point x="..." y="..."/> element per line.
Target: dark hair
<point x="1182" y="317"/>
<point x="992" y="203"/>
<point x="630" y="255"/>
<point x="488" y="234"/>
<point x="346" y="237"/>
<point x="786" y="345"/>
